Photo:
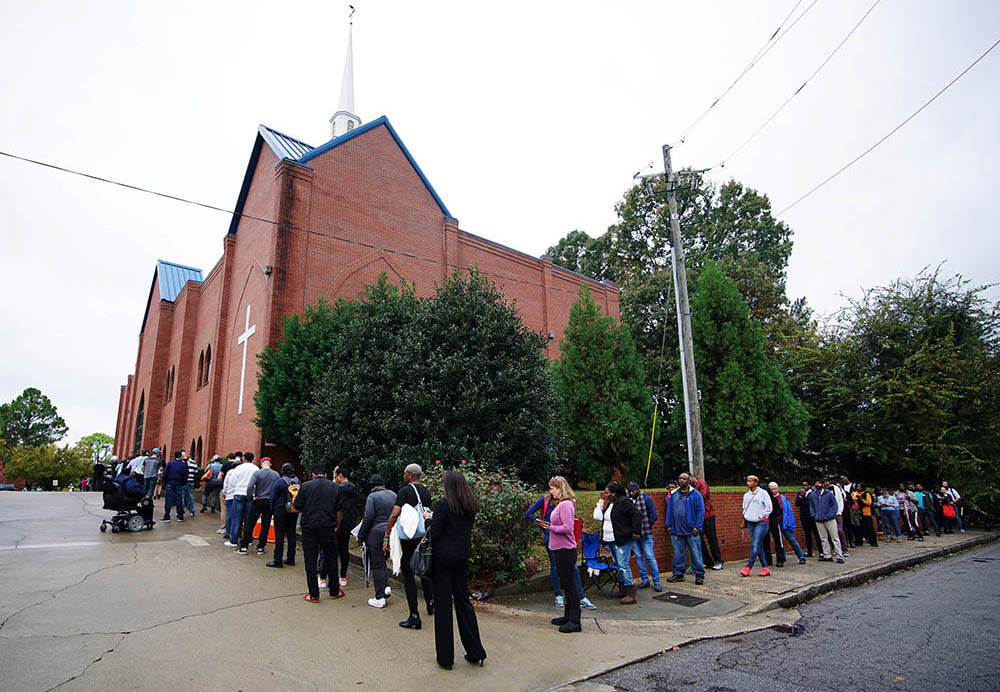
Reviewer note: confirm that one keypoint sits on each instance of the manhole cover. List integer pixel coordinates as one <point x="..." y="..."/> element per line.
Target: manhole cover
<point x="680" y="599"/>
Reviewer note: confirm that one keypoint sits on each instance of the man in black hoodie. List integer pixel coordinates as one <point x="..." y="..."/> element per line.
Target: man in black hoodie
<point x="317" y="502"/>
<point x="347" y="520"/>
<point x="284" y="519"/>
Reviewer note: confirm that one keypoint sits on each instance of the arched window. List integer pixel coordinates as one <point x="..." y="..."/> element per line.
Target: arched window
<point x="208" y="362"/>
<point x="198" y="456"/>
<point x="201" y="367"/>
<point x="191" y="453"/>
<point x="138" y="423"/>
<point x="166" y="390"/>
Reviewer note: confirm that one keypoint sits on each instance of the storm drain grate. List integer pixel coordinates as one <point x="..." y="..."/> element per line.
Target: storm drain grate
<point x="984" y="559"/>
<point x="680" y="599"/>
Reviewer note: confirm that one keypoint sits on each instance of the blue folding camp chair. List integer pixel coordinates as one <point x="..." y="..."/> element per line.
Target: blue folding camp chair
<point x="599" y="563"/>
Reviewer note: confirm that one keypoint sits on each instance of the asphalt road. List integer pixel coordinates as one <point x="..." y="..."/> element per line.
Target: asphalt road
<point x="935" y="627"/>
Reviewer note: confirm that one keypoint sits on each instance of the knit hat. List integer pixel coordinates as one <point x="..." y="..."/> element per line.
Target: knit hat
<point x="632" y="485"/>
<point x="375" y="480"/>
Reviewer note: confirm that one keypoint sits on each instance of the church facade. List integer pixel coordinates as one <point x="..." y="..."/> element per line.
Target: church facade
<point x="310" y="223"/>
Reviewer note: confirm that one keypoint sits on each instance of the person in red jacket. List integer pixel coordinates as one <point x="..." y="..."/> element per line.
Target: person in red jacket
<point x="709" y="539"/>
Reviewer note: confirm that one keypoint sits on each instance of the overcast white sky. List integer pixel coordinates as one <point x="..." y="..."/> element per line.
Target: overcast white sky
<point x="528" y="118"/>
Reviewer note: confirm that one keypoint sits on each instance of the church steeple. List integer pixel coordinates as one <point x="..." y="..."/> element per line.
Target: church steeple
<point x="344" y="120"/>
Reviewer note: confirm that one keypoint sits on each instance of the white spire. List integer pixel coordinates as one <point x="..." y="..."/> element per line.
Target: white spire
<point x="344" y="120"/>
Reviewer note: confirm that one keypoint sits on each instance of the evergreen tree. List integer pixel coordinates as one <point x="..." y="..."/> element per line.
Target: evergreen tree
<point x="606" y="407"/>
<point x="290" y="370"/>
<point x="750" y="420"/>
<point x="455" y="376"/>
<point x="31" y="420"/>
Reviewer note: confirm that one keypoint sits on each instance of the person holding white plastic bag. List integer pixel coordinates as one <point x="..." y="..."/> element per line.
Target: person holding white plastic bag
<point x="408" y="516"/>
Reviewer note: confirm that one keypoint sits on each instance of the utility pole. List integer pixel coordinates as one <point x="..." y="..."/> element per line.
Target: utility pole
<point x="692" y="408"/>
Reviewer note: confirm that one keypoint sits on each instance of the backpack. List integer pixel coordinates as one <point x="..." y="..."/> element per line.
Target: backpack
<point x="293" y="492"/>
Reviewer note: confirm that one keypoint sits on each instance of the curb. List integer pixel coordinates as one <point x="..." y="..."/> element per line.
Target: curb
<point x="803" y="595"/>
<point x="869" y="574"/>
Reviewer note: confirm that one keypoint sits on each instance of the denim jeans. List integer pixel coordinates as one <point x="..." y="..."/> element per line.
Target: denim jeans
<point x="623" y="553"/>
<point x="790" y="537"/>
<point x="175" y="498"/>
<point x="554" y="576"/>
<point x="150" y="484"/>
<point x="644" y="556"/>
<point x="189" y="497"/>
<point x="757" y="529"/>
<point x="683" y="545"/>
<point x="238" y="514"/>
<point x="890" y="517"/>
<point x="229" y="518"/>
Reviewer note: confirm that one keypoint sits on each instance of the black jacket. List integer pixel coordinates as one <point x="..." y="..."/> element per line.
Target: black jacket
<point x="348" y="508"/>
<point x="625" y="520"/>
<point x="451" y="534"/>
<point x="318" y="503"/>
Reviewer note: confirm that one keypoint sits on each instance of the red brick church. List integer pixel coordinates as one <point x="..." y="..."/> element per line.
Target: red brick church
<point x="310" y="222"/>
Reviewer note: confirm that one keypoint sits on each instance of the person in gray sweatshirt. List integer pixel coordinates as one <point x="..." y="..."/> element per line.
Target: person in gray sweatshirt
<point x="259" y="494"/>
<point x="378" y="507"/>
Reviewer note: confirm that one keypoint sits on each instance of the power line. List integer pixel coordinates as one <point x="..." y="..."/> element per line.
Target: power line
<point x="891" y="132"/>
<point x="231" y="212"/>
<point x="766" y="48"/>
<point x="829" y="57"/>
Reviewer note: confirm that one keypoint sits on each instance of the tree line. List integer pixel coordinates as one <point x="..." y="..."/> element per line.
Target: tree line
<point x="30" y="427"/>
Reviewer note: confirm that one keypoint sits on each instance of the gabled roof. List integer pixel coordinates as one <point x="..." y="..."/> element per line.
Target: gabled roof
<point x="173" y="277"/>
<point x="285" y="147"/>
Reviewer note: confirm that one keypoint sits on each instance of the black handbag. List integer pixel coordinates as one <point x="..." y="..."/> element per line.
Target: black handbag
<point x="420" y="561"/>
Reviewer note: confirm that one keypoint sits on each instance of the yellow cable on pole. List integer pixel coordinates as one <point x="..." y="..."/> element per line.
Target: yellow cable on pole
<point x="651" y="435"/>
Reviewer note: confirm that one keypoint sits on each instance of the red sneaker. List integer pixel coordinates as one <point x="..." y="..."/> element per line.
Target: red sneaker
<point x="340" y="594"/>
<point x="745" y="571"/>
<point x="765" y="572"/>
<point x="309" y="598"/>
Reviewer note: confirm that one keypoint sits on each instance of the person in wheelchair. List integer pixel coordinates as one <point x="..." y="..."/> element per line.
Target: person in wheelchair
<point x="126" y="495"/>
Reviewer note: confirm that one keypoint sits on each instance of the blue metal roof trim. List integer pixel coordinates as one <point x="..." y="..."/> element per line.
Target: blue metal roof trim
<point x="583" y="276"/>
<point x="283" y="146"/>
<point x="358" y="131"/>
<point x="173" y="276"/>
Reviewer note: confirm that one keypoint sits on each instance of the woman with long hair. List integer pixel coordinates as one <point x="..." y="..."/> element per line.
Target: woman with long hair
<point x="621" y="528"/>
<point x="451" y="533"/>
<point x="562" y="544"/>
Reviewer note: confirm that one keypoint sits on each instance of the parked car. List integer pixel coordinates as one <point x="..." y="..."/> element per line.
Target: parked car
<point x="7" y="486"/>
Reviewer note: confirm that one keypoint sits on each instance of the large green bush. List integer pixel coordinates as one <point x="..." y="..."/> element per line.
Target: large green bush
<point x="501" y="536"/>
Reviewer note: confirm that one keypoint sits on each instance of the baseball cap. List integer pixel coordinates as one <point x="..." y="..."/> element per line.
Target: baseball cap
<point x="156" y="450"/>
<point x="632" y="485"/>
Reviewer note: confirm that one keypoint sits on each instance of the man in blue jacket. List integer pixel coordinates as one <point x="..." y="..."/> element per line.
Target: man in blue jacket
<point x="644" y="556"/>
<point x="823" y="507"/>
<point x="685" y="518"/>
<point x="175" y="478"/>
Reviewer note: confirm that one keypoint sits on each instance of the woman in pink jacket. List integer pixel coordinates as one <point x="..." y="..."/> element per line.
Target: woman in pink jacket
<point x="562" y="543"/>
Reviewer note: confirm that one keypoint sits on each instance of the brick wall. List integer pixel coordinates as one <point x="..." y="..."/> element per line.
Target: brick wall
<point x="355" y="212"/>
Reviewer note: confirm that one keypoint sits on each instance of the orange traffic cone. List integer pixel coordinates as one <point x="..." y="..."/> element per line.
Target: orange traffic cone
<point x="270" y="531"/>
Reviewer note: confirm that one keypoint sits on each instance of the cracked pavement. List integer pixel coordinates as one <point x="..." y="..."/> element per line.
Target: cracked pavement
<point x="84" y="610"/>
<point x="928" y="628"/>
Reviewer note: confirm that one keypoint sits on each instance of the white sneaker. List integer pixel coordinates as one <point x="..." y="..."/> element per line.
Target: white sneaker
<point x="388" y="592"/>
<point x="343" y="581"/>
<point x="560" y="602"/>
<point x="221" y="531"/>
<point x="585" y="602"/>
<point x="376" y="602"/>
<point x="322" y="583"/>
<point x="717" y="566"/>
<point x="229" y="544"/>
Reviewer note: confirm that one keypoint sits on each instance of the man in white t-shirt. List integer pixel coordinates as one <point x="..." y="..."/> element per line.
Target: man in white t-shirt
<point x="840" y="494"/>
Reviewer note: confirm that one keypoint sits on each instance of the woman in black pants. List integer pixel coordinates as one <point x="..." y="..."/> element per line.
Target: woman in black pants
<point x="451" y="531"/>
